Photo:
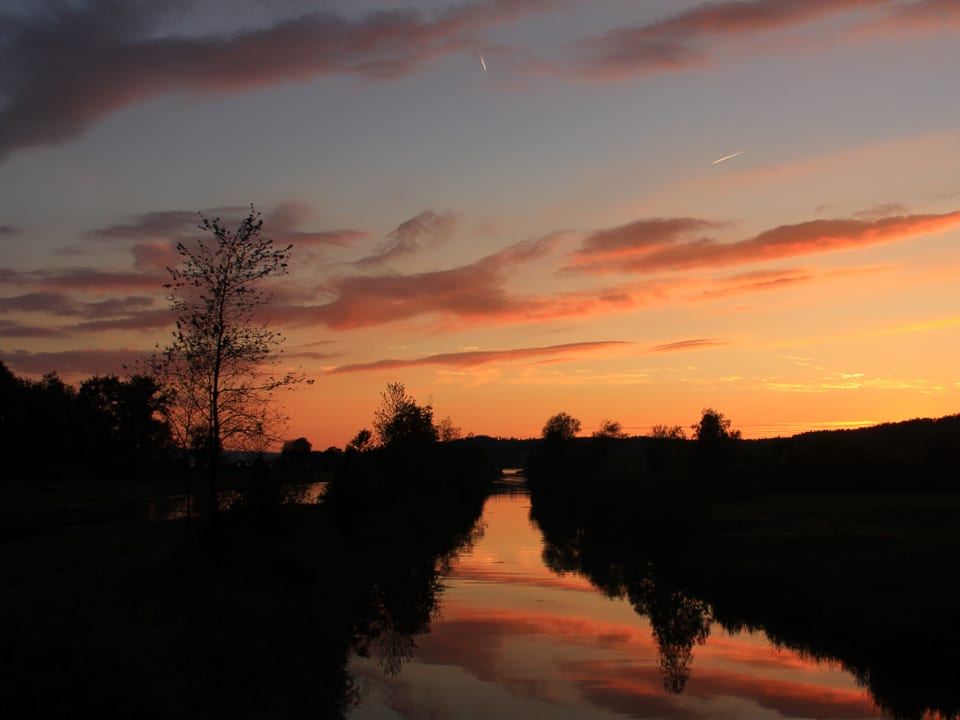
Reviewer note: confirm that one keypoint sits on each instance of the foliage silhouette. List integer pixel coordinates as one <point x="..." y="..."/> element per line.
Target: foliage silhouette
<point x="713" y="427"/>
<point x="610" y="429"/>
<point x="110" y="430"/>
<point x="560" y="427"/>
<point x="399" y="421"/>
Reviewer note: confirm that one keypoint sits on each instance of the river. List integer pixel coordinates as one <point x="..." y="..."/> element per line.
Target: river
<point x="513" y="639"/>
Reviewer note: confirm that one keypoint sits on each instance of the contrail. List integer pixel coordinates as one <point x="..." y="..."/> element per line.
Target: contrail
<point x="483" y="63"/>
<point x="727" y="157"/>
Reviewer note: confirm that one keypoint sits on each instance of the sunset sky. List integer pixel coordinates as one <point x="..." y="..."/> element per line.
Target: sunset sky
<point x="513" y="207"/>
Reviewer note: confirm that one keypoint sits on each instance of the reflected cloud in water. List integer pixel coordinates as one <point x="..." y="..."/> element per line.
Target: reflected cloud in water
<point x="515" y="640"/>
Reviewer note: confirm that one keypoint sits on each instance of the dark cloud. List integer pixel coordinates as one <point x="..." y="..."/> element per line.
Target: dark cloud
<point x="476" y="358"/>
<point x="162" y="225"/>
<point x="425" y="230"/>
<point x="159" y="232"/>
<point x="67" y="65"/>
<point x="84" y="278"/>
<point x="60" y="304"/>
<point x="16" y="330"/>
<point x="54" y="303"/>
<point x="145" y="320"/>
<point x="71" y="362"/>
<point x="8" y="230"/>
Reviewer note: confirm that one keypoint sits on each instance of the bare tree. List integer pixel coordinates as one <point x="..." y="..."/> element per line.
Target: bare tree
<point x="222" y="366"/>
<point x="668" y="432"/>
<point x="447" y="431"/>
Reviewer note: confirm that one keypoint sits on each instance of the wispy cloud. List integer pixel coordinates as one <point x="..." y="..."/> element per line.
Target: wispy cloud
<point x="640" y="237"/>
<point x="135" y="312"/>
<point x="283" y="224"/>
<point x="83" y="278"/>
<point x="11" y="329"/>
<point x="60" y="304"/>
<point x="67" y="65"/>
<point x="785" y="241"/>
<point x="426" y="229"/>
<point x="71" y="362"/>
<point x="683" y="40"/>
<point x="473" y="291"/>
<point x="475" y="358"/>
<point x="685" y="345"/>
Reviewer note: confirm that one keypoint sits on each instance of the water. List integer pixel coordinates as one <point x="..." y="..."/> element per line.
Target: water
<point x="513" y="639"/>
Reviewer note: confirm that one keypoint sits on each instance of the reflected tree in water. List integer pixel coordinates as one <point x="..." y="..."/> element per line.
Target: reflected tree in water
<point x="679" y="622"/>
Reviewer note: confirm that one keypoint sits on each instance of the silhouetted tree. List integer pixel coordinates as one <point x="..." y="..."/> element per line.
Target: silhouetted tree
<point x="715" y="449"/>
<point x="362" y="441"/>
<point x="561" y="427"/>
<point x="220" y="369"/>
<point x="668" y="432"/>
<point x="713" y="427"/>
<point x="610" y="429"/>
<point x="127" y="414"/>
<point x="447" y="431"/>
<point x="399" y="420"/>
<point x="299" y="448"/>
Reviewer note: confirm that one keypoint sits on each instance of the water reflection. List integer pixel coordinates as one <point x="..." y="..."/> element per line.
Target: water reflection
<point x="516" y="637"/>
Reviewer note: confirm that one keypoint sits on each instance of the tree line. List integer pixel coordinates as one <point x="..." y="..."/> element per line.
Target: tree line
<point x="107" y="427"/>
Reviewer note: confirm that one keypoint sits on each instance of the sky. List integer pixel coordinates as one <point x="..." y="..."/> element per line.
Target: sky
<point x="619" y="209"/>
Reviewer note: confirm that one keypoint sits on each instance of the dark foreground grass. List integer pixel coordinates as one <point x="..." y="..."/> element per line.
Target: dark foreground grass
<point x="252" y="631"/>
<point x="868" y="579"/>
<point x="136" y="619"/>
<point x="865" y="579"/>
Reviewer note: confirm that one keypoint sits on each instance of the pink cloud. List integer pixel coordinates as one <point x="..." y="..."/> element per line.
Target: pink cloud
<point x="920" y="15"/>
<point x="483" y="357"/>
<point x="155" y="255"/>
<point x="678" y="42"/>
<point x="684" y="345"/>
<point x="814" y="236"/>
<point x="475" y="291"/>
<point x="639" y="237"/>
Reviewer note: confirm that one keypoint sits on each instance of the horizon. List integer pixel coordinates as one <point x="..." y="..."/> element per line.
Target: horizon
<point x="625" y="211"/>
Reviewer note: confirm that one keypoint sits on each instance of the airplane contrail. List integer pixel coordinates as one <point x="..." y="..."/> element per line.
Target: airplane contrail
<point x="483" y="63"/>
<point x="727" y="157"/>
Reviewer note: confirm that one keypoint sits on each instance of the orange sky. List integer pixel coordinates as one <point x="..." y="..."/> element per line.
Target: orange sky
<point x="549" y="233"/>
